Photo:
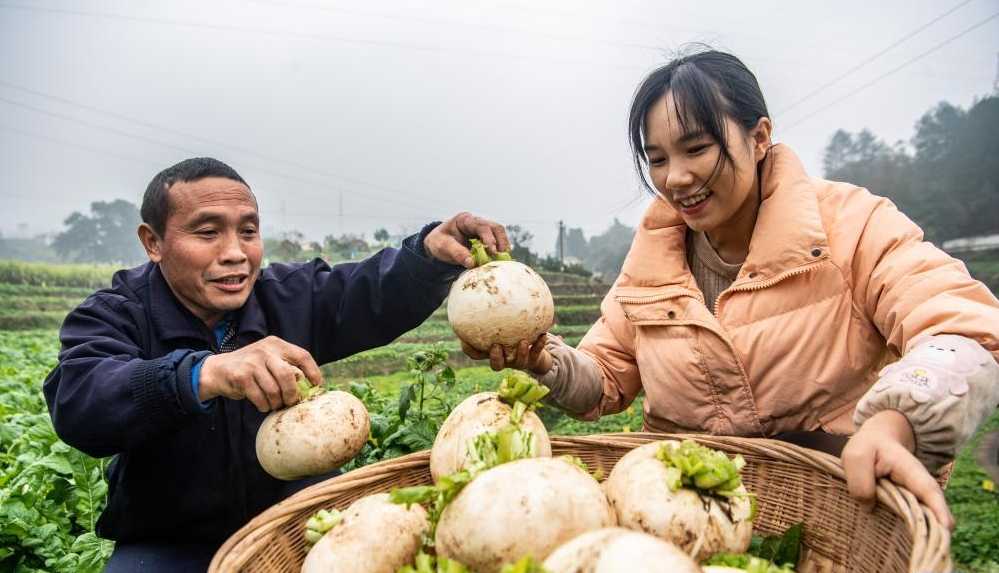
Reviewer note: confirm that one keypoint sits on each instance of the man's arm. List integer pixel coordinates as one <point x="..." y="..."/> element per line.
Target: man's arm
<point x="368" y="304"/>
<point x="104" y="398"/>
<point x="363" y="305"/>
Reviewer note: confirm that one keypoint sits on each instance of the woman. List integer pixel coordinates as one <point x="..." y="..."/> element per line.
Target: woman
<point x="757" y="301"/>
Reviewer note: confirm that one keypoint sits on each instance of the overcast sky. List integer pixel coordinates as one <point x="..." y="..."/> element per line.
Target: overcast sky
<point x="412" y="111"/>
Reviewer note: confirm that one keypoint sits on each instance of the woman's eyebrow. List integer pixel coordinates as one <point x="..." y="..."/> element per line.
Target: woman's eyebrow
<point x="691" y="136"/>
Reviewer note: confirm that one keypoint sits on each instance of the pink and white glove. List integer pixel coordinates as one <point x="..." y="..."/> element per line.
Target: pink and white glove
<point x="946" y="385"/>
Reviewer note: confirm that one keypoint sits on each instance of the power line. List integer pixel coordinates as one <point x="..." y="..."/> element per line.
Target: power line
<point x="217" y="143"/>
<point x="889" y="72"/>
<point x="870" y="59"/>
<point x="464" y="51"/>
<point x="188" y="152"/>
<point x="309" y="214"/>
<point x="103" y="152"/>
<point x="462" y="23"/>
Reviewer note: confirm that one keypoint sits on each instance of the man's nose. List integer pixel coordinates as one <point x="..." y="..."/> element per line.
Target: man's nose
<point x="232" y="249"/>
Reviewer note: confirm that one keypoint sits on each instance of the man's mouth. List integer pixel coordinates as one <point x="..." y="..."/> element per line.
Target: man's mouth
<point x="230" y="282"/>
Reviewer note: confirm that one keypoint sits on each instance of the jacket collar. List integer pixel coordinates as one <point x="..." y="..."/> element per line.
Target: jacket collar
<point x="172" y="320"/>
<point x="788" y="232"/>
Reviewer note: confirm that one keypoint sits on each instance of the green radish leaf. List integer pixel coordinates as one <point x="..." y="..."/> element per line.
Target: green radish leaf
<point x="405" y="398"/>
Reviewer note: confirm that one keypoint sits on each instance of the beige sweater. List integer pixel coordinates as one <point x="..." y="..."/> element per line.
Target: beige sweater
<point x="575" y="381"/>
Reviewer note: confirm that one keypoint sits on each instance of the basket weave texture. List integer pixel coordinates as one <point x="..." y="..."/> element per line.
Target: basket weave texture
<point x="792" y="485"/>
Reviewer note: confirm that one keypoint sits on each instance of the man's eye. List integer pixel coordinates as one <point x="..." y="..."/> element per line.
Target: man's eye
<point x="250" y="232"/>
<point x="205" y="232"/>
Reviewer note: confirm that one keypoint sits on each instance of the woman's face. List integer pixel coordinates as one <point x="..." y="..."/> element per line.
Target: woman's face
<point x="682" y="166"/>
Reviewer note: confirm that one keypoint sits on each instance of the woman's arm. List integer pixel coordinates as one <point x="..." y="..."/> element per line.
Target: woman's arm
<point x="600" y="377"/>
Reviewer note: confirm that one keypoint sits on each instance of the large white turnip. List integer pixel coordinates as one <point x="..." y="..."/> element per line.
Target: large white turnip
<point x="374" y="536"/>
<point x="648" y="494"/>
<point x="524" y="507"/>
<point x="500" y="302"/>
<point x="319" y="434"/>
<point x="515" y="432"/>
<point x="619" y="550"/>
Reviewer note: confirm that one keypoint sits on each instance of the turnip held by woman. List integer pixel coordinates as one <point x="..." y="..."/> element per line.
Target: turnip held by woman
<point x="757" y="300"/>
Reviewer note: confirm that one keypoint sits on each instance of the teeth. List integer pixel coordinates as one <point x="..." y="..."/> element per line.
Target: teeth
<point x="231" y="281"/>
<point x="691" y="201"/>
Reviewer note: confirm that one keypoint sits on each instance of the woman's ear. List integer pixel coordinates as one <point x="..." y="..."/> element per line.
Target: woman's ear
<point x="760" y="135"/>
<point x="151" y="242"/>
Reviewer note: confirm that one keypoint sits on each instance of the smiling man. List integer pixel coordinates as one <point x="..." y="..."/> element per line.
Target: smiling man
<point x="173" y="368"/>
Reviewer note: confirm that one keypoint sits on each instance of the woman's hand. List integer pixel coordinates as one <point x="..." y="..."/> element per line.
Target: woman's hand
<point x="530" y="357"/>
<point x="883" y="447"/>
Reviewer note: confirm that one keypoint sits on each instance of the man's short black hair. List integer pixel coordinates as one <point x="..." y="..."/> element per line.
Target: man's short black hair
<point x="156" y="200"/>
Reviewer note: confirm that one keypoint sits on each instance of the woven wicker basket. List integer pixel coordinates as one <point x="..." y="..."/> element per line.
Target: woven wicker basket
<point x="792" y="485"/>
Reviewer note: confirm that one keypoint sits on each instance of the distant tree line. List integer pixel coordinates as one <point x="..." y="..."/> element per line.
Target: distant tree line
<point x="946" y="179"/>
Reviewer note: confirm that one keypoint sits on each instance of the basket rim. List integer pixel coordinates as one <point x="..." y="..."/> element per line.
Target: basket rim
<point x="931" y="541"/>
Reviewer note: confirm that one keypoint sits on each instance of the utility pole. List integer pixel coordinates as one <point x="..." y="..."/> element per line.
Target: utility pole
<point x="339" y="219"/>
<point x="561" y="244"/>
<point x="995" y="82"/>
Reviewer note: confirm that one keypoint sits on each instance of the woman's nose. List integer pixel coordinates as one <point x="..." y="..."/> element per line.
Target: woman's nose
<point x="678" y="177"/>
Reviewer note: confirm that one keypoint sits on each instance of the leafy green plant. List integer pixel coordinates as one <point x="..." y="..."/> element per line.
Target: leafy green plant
<point x="50" y="494"/>
<point x="408" y="423"/>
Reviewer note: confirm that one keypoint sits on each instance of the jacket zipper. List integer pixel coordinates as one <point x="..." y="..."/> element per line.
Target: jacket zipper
<point x="659" y="297"/>
<point x="767" y="283"/>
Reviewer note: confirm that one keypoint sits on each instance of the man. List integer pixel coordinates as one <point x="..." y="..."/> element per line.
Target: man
<point x="173" y="369"/>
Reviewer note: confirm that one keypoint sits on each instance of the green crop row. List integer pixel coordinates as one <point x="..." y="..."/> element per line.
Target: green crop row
<point x="63" y="275"/>
<point x="11" y="290"/>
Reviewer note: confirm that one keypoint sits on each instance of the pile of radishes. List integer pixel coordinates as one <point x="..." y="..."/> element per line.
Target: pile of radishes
<point x="500" y="503"/>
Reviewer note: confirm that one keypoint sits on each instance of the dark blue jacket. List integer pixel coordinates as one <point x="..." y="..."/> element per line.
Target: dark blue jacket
<point x="123" y="383"/>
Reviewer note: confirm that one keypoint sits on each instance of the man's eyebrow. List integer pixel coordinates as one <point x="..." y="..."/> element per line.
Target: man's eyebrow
<point x="250" y="217"/>
<point x="205" y="218"/>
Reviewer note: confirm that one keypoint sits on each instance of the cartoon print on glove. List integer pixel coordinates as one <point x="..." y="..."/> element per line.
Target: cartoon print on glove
<point x="935" y="367"/>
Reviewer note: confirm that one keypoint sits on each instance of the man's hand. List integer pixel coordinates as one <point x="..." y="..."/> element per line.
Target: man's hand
<point x="882" y="447"/>
<point x="530" y="357"/>
<point x="265" y="373"/>
<point x="449" y="241"/>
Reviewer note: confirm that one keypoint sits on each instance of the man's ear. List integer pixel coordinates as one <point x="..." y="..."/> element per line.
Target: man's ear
<point x="151" y="242"/>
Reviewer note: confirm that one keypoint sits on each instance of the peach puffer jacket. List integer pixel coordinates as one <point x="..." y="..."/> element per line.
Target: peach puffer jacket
<point x="837" y="284"/>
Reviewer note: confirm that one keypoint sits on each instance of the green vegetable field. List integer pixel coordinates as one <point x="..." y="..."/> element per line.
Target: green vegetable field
<point x="51" y="495"/>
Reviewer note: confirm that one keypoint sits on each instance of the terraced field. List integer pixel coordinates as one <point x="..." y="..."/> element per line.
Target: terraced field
<point x="577" y="304"/>
<point x="53" y="530"/>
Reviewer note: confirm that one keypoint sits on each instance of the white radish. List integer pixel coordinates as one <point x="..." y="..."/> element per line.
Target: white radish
<point x="700" y="523"/>
<point x="374" y="536"/>
<point x="478" y="414"/>
<point x="619" y="550"/>
<point x="501" y="302"/>
<point x="524" y="507"/>
<point x="313" y="437"/>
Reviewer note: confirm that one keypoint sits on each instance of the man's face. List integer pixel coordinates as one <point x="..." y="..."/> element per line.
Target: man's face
<point x="211" y="250"/>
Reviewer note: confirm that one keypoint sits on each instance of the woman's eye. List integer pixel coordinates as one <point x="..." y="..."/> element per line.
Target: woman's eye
<point x="655" y="161"/>
<point x="698" y="149"/>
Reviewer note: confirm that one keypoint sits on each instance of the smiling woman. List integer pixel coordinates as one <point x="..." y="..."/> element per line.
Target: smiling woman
<point x="758" y="301"/>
